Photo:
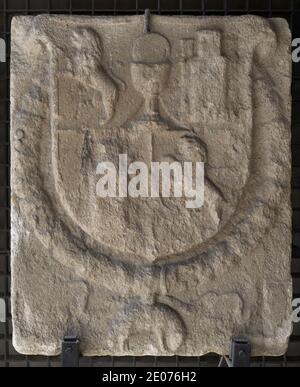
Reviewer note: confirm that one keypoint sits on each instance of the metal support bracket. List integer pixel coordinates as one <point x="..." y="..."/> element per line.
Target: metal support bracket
<point x="70" y="351"/>
<point x="240" y="352"/>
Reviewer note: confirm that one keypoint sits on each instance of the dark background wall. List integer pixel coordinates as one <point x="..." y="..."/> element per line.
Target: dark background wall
<point x="288" y="9"/>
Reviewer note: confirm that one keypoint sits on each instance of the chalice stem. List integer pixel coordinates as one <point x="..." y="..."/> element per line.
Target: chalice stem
<point x="151" y="106"/>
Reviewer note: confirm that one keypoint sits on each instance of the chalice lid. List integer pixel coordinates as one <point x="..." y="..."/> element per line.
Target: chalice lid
<point x="151" y="48"/>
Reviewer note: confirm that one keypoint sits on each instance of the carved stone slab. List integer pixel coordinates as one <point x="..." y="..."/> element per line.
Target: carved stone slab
<point x="149" y="276"/>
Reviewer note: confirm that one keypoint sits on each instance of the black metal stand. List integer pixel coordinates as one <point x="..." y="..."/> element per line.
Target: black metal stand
<point x="240" y="352"/>
<point x="70" y="351"/>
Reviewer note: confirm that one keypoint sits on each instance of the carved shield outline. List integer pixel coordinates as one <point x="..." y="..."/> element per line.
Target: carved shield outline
<point x="265" y="185"/>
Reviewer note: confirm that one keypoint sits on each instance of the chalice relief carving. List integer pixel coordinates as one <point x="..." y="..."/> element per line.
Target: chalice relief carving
<point x="99" y="238"/>
<point x="141" y="231"/>
<point x="157" y="227"/>
<point x="149" y="137"/>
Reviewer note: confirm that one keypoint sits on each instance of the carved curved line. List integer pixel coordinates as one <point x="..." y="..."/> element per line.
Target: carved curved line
<point x="265" y="186"/>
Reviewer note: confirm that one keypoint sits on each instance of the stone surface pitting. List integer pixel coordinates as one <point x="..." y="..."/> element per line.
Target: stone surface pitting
<point x="149" y="276"/>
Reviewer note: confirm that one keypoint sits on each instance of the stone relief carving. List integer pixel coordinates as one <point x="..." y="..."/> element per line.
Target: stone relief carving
<point x="208" y="91"/>
<point x="146" y="137"/>
<point x="158" y="327"/>
<point x="149" y="262"/>
<point x="81" y="84"/>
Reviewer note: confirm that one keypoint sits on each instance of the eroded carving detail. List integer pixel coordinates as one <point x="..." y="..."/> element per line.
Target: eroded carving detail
<point x="147" y="137"/>
<point x="145" y="272"/>
<point x="206" y="74"/>
<point x="158" y="328"/>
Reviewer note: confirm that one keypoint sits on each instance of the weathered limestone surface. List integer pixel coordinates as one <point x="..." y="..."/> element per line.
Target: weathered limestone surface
<point x="134" y="276"/>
